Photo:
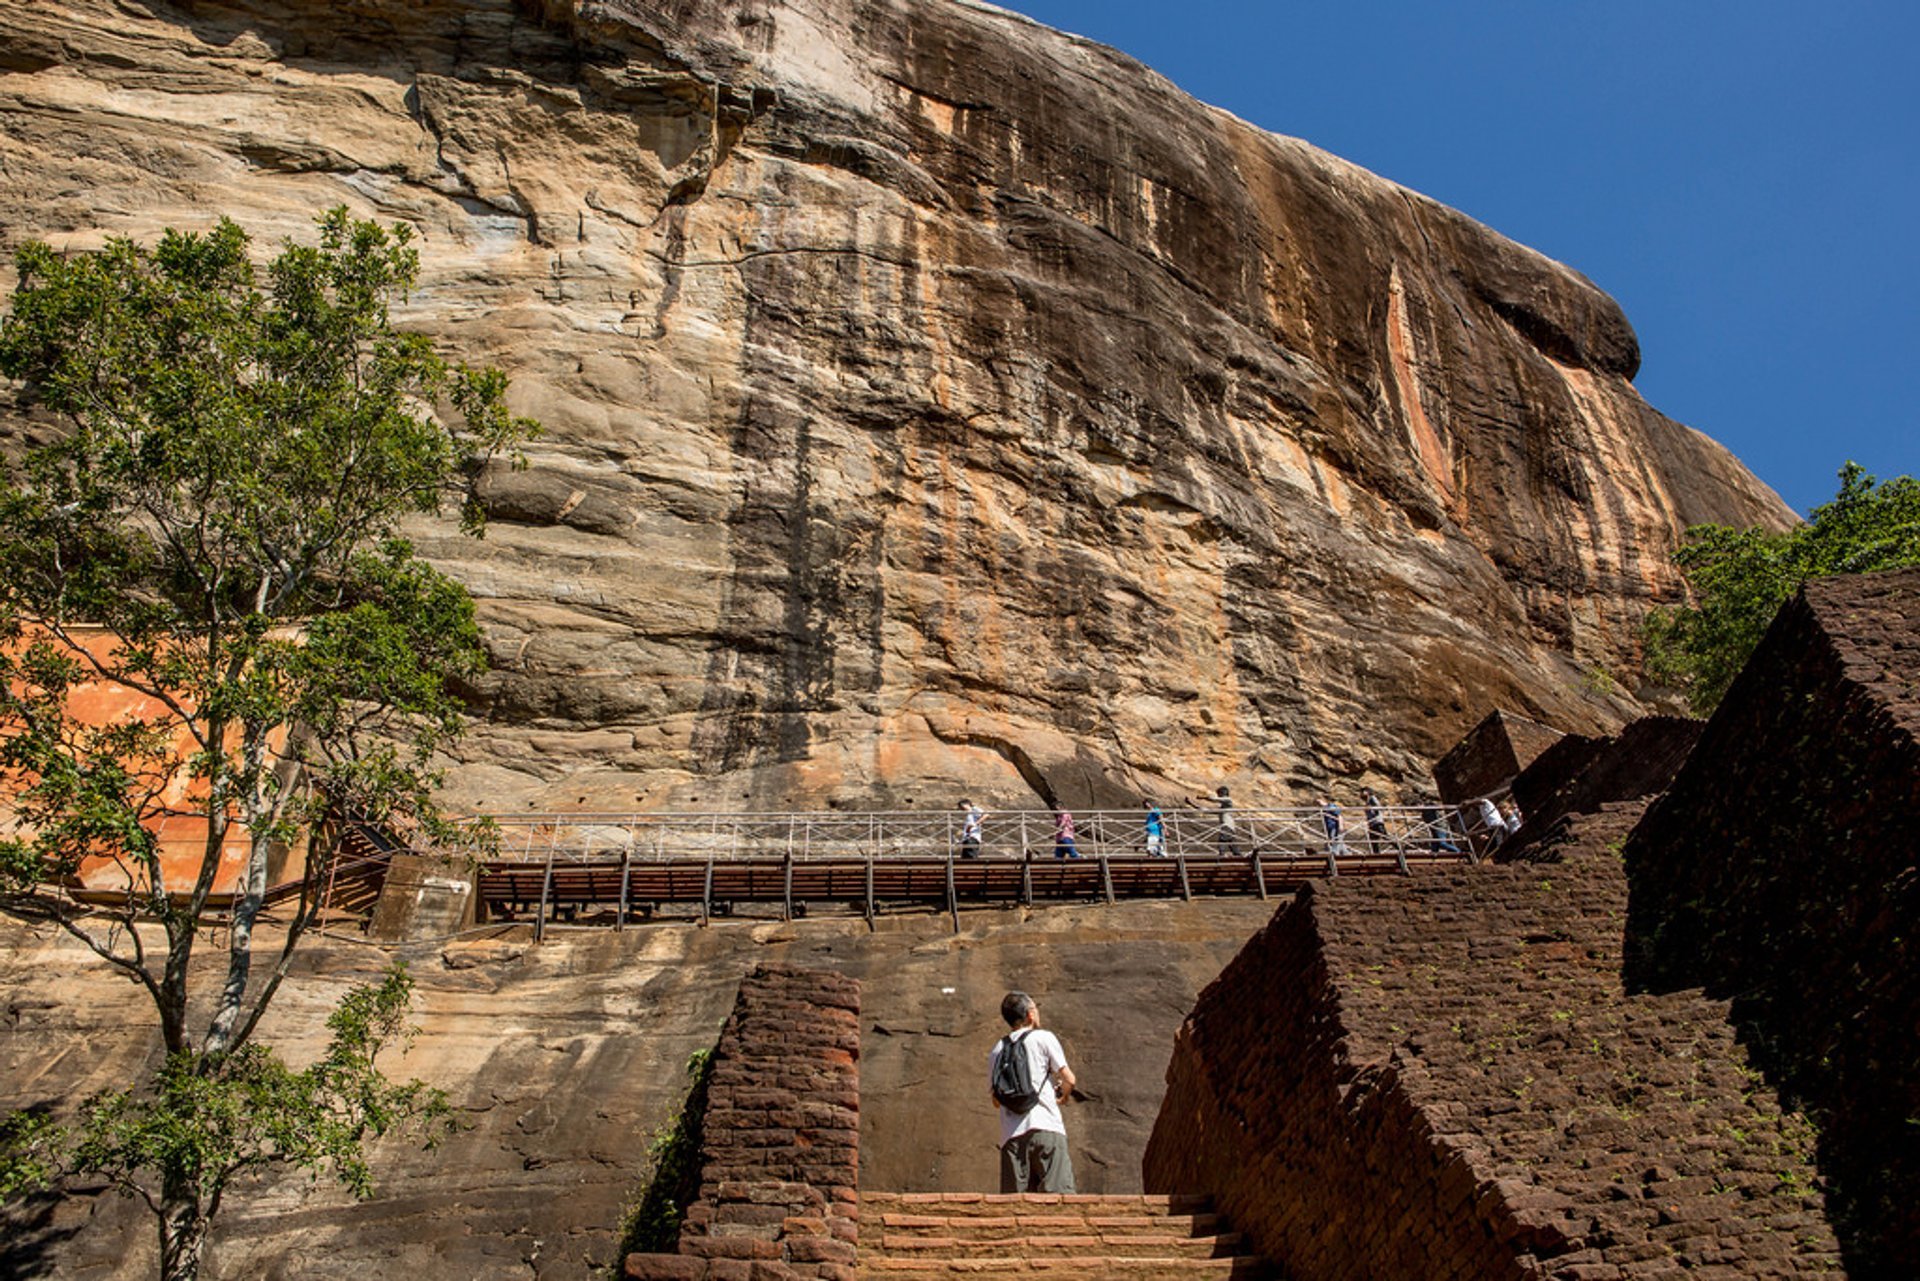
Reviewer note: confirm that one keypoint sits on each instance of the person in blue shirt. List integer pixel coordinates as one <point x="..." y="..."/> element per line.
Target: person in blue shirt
<point x="1330" y="819"/>
<point x="1156" y="831"/>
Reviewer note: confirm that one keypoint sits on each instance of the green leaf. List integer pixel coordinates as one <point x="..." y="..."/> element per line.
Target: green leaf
<point x="213" y="540"/>
<point x="1739" y="578"/>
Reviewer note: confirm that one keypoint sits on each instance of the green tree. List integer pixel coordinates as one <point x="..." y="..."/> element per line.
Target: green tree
<point x="1739" y="578"/>
<point x="214" y="526"/>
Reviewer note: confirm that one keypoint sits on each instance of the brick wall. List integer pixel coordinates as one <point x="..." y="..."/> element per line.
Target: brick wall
<point x="780" y="1161"/>
<point x="1555" y="768"/>
<point x="1489" y="756"/>
<point x="1579" y="775"/>
<point x="1443" y="1077"/>
<point x="1780" y="870"/>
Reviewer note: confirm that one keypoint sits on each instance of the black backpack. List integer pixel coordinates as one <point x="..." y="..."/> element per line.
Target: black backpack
<point x="1013" y="1087"/>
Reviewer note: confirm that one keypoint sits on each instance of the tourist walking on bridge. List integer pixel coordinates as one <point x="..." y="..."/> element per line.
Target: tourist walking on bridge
<point x="1156" y="831"/>
<point x="1439" y="837"/>
<point x="1376" y="822"/>
<point x="970" y="829"/>
<point x="1029" y="1092"/>
<point x="1330" y="819"/>
<point x="1063" y="846"/>
<point x="1494" y="826"/>
<point x="1227" y="839"/>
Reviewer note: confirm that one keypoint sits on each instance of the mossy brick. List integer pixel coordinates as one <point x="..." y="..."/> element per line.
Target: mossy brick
<point x="731" y="1216"/>
<point x="732" y="1247"/>
<point x="819" y="1249"/>
<point x="1776" y="869"/>
<point x="663" y="1267"/>
<point x="759" y="1172"/>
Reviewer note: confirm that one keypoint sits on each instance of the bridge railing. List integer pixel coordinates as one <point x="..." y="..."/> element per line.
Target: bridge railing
<point x="1271" y="833"/>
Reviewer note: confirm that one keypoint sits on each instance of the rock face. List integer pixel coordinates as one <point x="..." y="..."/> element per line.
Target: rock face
<point x="562" y="1060"/>
<point x="934" y="400"/>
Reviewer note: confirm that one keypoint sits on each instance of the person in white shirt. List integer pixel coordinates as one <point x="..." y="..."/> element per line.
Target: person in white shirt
<point x="1492" y="822"/>
<point x="1033" y="1144"/>
<point x="970" y="829"/>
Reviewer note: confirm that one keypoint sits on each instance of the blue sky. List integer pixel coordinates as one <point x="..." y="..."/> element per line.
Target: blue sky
<point x="1743" y="175"/>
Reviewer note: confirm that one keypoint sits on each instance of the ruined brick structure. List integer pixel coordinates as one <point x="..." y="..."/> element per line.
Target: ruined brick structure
<point x="1443" y="1077"/>
<point x="1578" y="775"/>
<point x="1779" y="871"/>
<point x="1486" y="760"/>
<point x="780" y="1163"/>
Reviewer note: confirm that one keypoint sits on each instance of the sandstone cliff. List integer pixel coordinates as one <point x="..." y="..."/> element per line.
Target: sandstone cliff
<point x="562" y="1059"/>
<point x="934" y="399"/>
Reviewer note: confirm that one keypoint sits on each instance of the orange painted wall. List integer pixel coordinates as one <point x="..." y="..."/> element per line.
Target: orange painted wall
<point x="180" y="826"/>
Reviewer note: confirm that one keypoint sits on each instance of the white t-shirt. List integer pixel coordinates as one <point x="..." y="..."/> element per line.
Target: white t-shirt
<point x="1490" y="817"/>
<point x="1044" y="1058"/>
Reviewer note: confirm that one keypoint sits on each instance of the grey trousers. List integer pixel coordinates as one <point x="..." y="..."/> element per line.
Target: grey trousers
<point x="1036" y="1161"/>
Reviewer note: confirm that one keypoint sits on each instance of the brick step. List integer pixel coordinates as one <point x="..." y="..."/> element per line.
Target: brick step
<point x="1073" y="1237"/>
<point x="996" y="1204"/>
<point x="1128" y="1245"/>
<point x="1083" y="1268"/>
<point x="984" y="1227"/>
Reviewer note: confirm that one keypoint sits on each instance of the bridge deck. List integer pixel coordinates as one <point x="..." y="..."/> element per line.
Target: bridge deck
<point x="515" y="889"/>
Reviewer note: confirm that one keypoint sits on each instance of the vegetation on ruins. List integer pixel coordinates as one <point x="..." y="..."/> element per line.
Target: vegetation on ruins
<point x="651" y="1225"/>
<point x="1739" y="578"/>
<point x="212" y="532"/>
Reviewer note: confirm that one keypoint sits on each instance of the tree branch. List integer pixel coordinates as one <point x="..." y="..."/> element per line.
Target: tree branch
<point x="38" y="907"/>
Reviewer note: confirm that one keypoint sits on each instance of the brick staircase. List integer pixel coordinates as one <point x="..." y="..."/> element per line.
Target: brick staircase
<point x="1141" y="1238"/>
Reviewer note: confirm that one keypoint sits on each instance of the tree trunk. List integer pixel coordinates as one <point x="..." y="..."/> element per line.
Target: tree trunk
<point x="246" y="908"/>
<point x="173" y="985"/>
<point x="183" y="1237"/>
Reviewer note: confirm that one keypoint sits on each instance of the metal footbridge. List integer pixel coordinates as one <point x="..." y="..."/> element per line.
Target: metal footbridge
<point x="549" y="866"/>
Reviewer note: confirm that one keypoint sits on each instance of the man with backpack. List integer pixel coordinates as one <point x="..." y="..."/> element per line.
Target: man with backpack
<point x="1029" y="1078"/>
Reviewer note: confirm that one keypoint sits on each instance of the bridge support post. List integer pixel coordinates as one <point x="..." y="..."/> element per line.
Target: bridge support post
<point x="1106" y="880"/>
<point x="626" y="884"/>
<point x="706" y="897"/>
<point x="546" y="896"/>
<point x="870" y="924"/>
<point x="1026" y="878"/>
<point x="953" y="899"/>
<point x="1259" y="877"/>
<point x="1186" y="890"/>
<point x="1333" y="868"/>
<point x="786" y="883"/>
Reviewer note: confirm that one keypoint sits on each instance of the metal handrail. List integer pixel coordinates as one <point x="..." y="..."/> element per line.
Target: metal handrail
<point x="1273" y="834"/>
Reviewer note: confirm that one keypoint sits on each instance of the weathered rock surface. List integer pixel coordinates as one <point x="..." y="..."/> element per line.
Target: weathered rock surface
<point x="934" y="399"/>
<point x="562" y="1059"/>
